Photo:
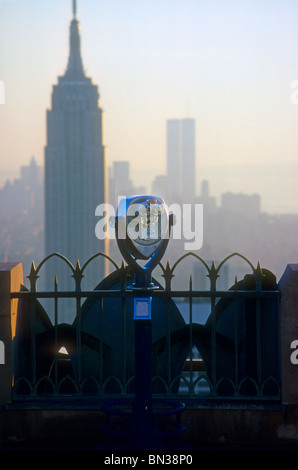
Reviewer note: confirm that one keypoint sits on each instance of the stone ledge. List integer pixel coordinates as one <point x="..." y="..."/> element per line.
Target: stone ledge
<point x="228" y="426"/>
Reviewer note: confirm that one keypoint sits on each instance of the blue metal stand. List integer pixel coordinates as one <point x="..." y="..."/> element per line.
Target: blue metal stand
<point x="149" y="429"/>
<point x="143" y="366"/>
<point x="143" y="422"/>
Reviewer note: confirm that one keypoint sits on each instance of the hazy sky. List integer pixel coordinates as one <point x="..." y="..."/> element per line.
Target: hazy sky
<point x="227" y="63"/>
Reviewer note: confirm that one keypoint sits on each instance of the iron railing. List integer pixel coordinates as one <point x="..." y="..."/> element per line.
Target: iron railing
<point x="232" y="354"/>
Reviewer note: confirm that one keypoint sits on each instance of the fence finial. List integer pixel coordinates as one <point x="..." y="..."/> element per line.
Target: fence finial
<point x="258" y="276"/>
<point x="168" y="275"/>
<point x="78" y="275"/>
<point x="33" y="276"/>
<point x="213" y="275"/>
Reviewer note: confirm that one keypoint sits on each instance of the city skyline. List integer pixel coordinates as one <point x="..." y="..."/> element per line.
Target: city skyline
<point x="230" y="66"/>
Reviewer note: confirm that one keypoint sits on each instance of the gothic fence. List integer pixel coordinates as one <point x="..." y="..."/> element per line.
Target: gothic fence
<point x="207" y="345"/>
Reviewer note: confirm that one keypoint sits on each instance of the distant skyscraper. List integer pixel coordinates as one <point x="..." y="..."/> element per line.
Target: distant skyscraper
<point x="75" y="165"/>
<point x="181" y="159"/>
<point x="122" y="176"/>
<point x="120" y="183"/>
<point x="174" y="163"/>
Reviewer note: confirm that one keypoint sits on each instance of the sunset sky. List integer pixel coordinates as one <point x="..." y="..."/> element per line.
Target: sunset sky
<point x="229" y="64"/>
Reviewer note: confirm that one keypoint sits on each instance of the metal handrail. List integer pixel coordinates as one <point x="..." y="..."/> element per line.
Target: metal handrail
<point x="194" y="372"/>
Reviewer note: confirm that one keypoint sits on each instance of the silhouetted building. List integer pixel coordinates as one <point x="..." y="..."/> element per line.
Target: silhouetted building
<point x="248" y="204"/>
<point x="160" y="187"/>
<point x="75" y="166"/>
<point x="22" y="216"/>
<point x="209" y="202"/>
<point x="181" y="159"/>
<point x="32" y="174"/>
<point x="120" y="183"/>
<point x="23" y="194"/>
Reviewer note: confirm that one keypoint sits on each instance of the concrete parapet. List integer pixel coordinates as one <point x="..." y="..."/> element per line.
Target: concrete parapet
<point x="207" y="427"/>
<point x="11" y="278"/>
<point x="288" y="286"/>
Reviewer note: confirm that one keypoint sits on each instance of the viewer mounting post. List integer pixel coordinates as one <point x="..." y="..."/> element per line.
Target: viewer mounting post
<point x="142" y="226"/>
<point x="142" y="232"/>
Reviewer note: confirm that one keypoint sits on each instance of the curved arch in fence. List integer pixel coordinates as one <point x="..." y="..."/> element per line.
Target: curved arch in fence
<point x="77" y="271"/>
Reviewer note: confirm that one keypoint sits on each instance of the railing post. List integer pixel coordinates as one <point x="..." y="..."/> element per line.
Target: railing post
<point x="11" y="278"/>
<point x="288" y="286"/>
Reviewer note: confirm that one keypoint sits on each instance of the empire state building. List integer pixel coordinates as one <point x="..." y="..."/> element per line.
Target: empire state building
<point x="75" y="167"/>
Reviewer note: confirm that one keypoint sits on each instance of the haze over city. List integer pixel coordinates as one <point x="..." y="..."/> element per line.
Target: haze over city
<point x="227" y="64"/>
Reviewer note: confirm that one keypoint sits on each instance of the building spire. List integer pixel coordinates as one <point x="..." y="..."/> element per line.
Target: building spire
<point x="75" y="64"/>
